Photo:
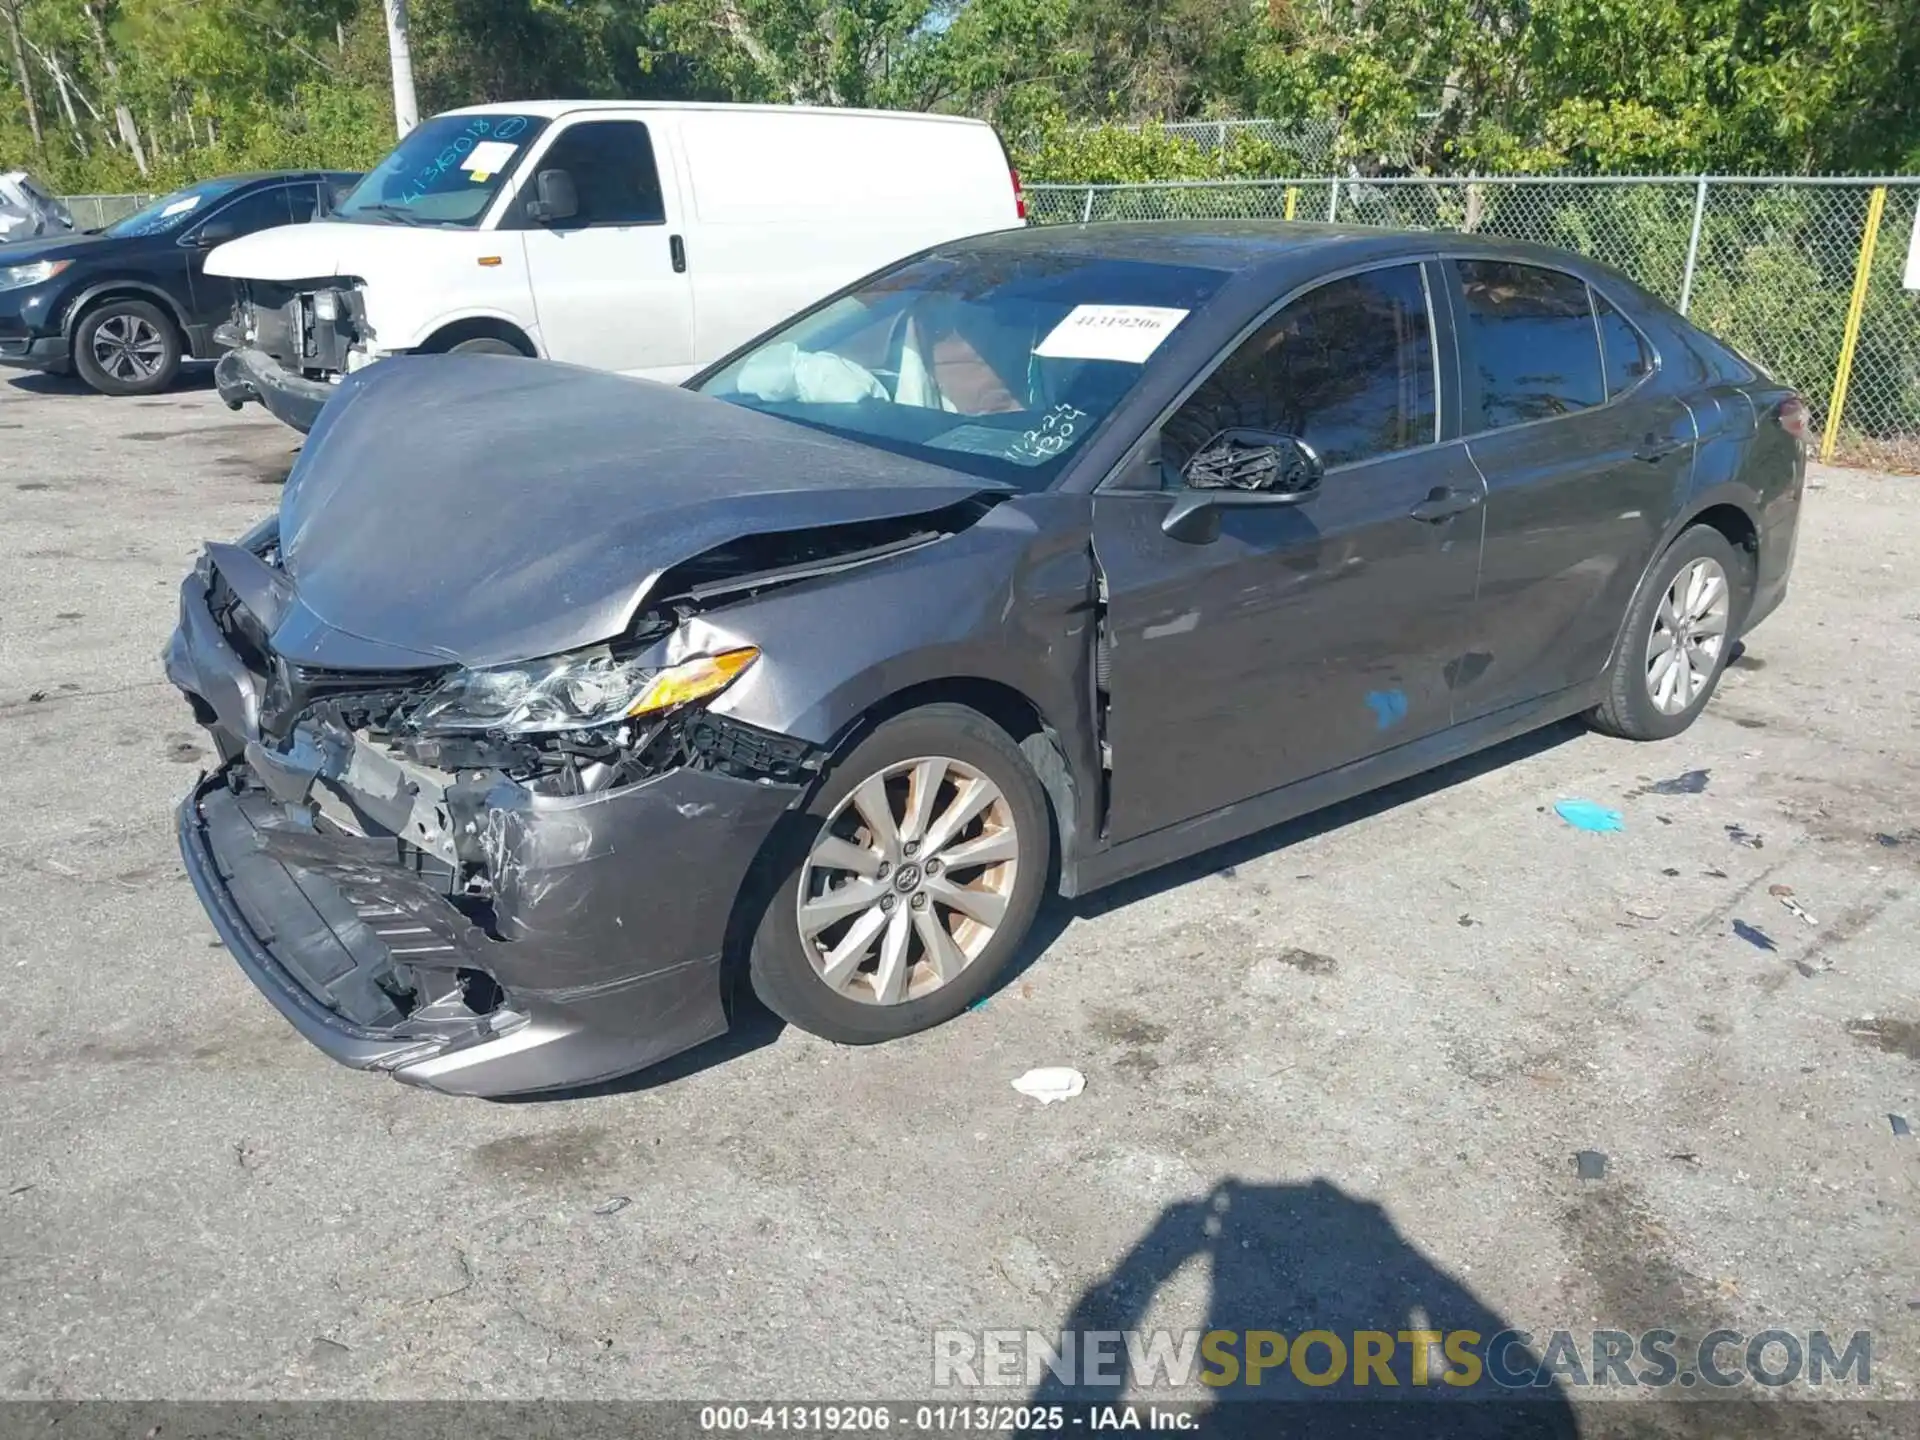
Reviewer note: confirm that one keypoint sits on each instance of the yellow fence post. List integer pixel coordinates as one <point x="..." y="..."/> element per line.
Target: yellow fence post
<point x="1293" y="194"/>
<point x="1861" y="275"/>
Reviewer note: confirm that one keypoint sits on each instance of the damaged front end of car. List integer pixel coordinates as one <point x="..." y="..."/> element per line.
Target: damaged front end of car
<point x="484" y="882"/>
<point x="503" y="878"/>
<point x="287" y="346"/>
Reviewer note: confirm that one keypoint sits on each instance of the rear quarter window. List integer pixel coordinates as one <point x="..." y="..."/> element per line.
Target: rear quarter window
<point x="1533" y="341"/>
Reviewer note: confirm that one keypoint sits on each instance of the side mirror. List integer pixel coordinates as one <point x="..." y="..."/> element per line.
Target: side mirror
<point x="216" y="231"/>
<point x="1238" y="468"/>
<point x="554" y="197"/>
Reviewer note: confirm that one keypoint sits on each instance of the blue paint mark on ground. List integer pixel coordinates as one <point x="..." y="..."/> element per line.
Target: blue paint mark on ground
<point x="1389" y="707"/>
<point x="1585" y="815"/>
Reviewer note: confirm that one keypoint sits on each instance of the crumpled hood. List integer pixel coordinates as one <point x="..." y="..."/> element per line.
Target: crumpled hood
<point x="320" y="248"/>
<point x="483" y="509"/>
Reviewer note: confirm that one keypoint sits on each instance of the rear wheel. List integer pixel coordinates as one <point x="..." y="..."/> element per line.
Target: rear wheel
<point x="1679" y="635"/>
<point x="926" y="851"/>
<point x="127" y="347"/>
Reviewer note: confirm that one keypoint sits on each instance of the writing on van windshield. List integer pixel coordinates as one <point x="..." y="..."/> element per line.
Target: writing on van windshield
<point x="484" y="133"/>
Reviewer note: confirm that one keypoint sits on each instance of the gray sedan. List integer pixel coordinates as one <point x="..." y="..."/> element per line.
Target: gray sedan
<point x="557" y="710"/>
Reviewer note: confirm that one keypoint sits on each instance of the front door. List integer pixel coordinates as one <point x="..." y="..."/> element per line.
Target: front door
<point x="1303" y="637"/>
<point x="610" y="287"/>
<point x="259" y="210"/>
<point x="1585" y="449"/>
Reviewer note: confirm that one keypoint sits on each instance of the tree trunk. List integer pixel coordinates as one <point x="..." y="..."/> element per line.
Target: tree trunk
<point x="24" y="76"/>
<point x="66" y="105"/>
<point x="406" y="108"/>
<point x="123" y="116"/>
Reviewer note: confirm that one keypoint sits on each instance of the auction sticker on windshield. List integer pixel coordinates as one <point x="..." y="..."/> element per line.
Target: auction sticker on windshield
<point x="1127" y="333"/>
<point x="487" y="157"/>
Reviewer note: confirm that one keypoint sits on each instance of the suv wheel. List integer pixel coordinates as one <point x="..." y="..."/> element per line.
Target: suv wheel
<point x="127" y="347"/>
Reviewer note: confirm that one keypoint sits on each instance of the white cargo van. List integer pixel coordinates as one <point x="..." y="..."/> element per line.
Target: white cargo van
<point x="644" y="238"/>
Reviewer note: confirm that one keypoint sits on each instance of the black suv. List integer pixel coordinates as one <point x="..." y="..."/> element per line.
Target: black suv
<point x="125" y="305"/>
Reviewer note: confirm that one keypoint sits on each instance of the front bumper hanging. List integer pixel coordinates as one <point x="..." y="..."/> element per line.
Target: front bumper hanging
<point x="595" y="951"/>
<point x="249" y="374"/>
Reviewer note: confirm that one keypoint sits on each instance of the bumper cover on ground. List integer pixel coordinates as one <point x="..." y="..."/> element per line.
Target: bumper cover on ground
<point x="248" y="374"/>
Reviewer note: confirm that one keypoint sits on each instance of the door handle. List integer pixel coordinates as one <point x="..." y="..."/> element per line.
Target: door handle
<point x="1655" y="448"/>
<point x="1443" y="502"/>
<point x="677" y="248"/>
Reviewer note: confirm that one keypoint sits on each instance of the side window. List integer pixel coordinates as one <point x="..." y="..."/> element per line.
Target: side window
<point x="1622" y="347"/>
<point x="261" y="210"/>
<point x="611" y="162"/>
<point x="1533" y="340"/>
<point x="1347" y="367"/>
<point x="305" y="202"/>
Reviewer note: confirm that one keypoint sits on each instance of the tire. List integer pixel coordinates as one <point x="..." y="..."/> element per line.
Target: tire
<point x="127" y="347"/>
<point x="486" y="345"/>
<point x="873" y="999"/>
<point x="1646" y="698"/>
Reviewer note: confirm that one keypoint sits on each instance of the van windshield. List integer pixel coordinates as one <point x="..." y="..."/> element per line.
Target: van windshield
<point x="1000" y="364"/>
<point x="446" y="171"/>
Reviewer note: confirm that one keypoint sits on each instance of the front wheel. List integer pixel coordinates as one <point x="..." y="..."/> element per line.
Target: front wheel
<point x="127" y="347"/>
<point x="1677" y="639"/>
<point x="926" y="852"/>
<point x="486" y="345"/>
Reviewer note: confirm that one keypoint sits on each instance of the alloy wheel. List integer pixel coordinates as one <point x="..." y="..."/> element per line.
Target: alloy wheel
<point x="129" y="348"/>
<point x="908" y="880"/>
<point x="1689" y="635"/>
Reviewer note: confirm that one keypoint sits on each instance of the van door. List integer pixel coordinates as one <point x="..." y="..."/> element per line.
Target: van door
<point x="609" y="282"/>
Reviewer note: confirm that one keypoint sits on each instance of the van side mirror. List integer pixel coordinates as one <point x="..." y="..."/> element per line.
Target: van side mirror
<point x="1239" y="468"/>
<point x="554" y="197"/>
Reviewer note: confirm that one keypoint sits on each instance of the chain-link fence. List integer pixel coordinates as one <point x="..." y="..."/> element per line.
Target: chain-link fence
<point x="1310" y="141"/>
<point x="1803" y="275"/>
<point x="96" y="212"/>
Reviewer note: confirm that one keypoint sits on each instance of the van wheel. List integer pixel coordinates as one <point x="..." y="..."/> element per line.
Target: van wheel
<point x="127" y="347"/>
<point x="1677" y="639"/>
<point x="913" y="879"/>
<point x="486" y="345"/>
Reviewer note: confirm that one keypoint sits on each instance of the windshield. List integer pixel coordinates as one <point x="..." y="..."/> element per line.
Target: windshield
<point x="446" y="172"/>
<point x="172" y="212"/>
<point x="999" y="364"/>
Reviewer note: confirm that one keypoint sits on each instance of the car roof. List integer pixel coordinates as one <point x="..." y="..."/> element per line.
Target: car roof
<point x="552" y="109"/>
<point x="1252" y="247"/>
<point x="254" y="177"/>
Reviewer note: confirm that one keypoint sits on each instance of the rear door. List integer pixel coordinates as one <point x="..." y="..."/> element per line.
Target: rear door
<point x="1301" y="637"/>
<point x="610" y="286"/>
<point x="1586" y="450"/>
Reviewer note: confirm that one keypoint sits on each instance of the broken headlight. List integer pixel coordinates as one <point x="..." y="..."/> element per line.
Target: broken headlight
<point x="572" y="692"/>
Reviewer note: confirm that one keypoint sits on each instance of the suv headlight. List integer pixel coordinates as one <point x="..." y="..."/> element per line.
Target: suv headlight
<point x="572" y="692"/>
<point x="13" y="277"/>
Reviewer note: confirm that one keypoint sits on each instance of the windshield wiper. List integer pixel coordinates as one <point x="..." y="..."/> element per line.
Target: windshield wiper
<point x="381" y="207"/>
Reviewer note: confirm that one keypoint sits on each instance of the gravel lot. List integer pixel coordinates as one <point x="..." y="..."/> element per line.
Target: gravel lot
<point x="1378" y="1037"/>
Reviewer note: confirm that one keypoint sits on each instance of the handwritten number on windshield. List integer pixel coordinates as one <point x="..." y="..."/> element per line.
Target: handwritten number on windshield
<point x="1053" y="435"/>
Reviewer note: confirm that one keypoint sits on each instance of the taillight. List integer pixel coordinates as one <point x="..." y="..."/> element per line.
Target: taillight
<point x="1019" y="195"/>
<point x="1794" y="417"/>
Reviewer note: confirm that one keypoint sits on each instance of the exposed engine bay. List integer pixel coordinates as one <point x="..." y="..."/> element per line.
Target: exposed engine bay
<point x="314" y="328"/>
